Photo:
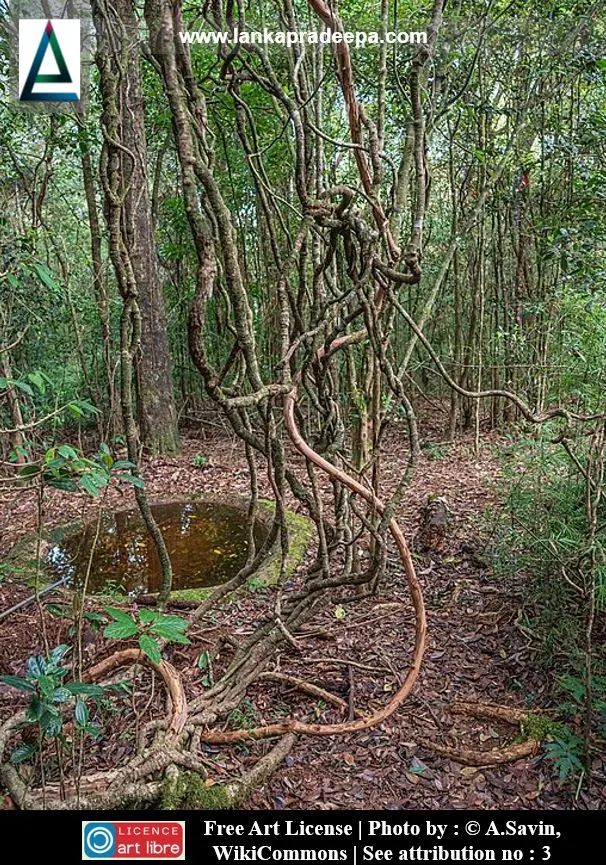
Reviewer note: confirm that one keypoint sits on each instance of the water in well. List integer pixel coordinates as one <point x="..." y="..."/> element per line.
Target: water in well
<point x="208" y="544"/>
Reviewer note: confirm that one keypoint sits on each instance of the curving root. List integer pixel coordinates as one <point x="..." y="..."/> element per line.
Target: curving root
<point x="170" y="676"/>
<point x="496" y="756"/>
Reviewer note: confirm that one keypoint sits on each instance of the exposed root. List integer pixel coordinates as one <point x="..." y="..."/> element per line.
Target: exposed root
<point x="345" y="662"/>
<point x="170" y="676"/>
<point x="287" y="635"/>
<point x="364" y="723"/>
<point x="240" y="790"/>
<point x="308" y="688"/>
<point x="487" y="710"/>
<point x="494" y="757"/>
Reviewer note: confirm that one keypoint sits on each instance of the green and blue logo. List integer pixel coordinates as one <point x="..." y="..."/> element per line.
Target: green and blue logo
<point x="49" y="60"/>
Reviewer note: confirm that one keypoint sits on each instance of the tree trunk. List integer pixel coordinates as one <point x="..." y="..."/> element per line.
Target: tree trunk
<point x="15" y="438"/>
<point x="99" y="282"/>
<point x="119" y="59"/>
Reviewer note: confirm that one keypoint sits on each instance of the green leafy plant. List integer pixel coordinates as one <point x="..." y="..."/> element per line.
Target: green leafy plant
<point x="566" y="752"/>
<point x="65" y="468"/>
<point x="12" y="570"/>
<point x="245" y="716"/>
<point x="575" y="688"/>
<point x="38" y="387"/>
<point x="540" y="727"/>
<point x="93" y="619"/>
<point x="148" y="626"/>
<point x="49" y="697"/>
<point x="200" y="461"/>
<point x="256" y="583"/>
<point x="541" y="533"/>
<point x="205" y="667"/>
<point x="433" y="451"/>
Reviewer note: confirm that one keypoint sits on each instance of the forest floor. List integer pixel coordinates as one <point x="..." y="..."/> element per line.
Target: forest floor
<point x="476" y="652"/>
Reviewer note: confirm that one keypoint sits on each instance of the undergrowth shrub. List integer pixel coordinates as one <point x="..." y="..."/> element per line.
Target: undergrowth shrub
<point x="541" y="537"/>
<point x="544" y="545"/>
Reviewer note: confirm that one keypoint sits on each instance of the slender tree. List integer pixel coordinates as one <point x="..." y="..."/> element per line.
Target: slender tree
<point x="117" y="43"/>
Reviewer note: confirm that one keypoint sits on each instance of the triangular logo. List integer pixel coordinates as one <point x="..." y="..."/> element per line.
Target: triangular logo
<point x="34" y="77"/>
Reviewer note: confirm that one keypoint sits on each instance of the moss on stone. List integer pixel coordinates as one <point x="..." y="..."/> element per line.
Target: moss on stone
<point x="192" y="594"/>
<point x="300" y="534"/>
<point x="189" y="792"/>
<point x="539" y="727"/>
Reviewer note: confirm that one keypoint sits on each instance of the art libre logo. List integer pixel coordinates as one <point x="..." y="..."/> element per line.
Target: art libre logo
<point x="133" y="839"/>
<point x="49" y="60"/>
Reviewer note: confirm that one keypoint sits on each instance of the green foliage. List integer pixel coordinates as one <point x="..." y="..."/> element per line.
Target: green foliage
<point x="14" y="570"/>
<point x="543" y="538"/>
<point x="244" y="717"/>
<point x="256" y="583"/>
<point x="38" y="301"/>
<point x="147" y="625"/>
<point x="541" y="534"/>
<point x="575" y="691"/>
<point x="36" y="390"/>
<point x="123" y="626"/>
<point x="49" y="697"/>
<point x="540" y="727"/>
<point x="566" y="752"/>
<point x="434" y="451"/>
<point x="524" y="293"/>
<point x="65" y="468"/>
<point x="93" y="620"/>
<point x="203" y="664"/>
